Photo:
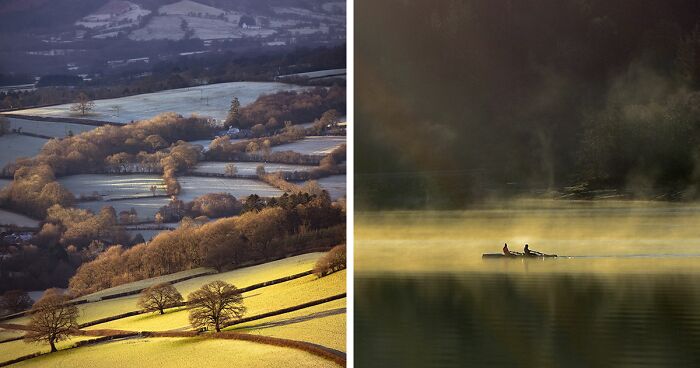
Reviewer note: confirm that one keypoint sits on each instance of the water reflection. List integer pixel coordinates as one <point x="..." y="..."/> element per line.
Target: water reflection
<point x="527" y="320"/>
<point x="628" y="297"/>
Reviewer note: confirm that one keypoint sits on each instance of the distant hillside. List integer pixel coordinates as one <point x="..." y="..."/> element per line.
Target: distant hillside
<point x="76" y="36"/>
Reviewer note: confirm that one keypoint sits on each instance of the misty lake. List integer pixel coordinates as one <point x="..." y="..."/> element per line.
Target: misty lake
<point x="625" y="290"/>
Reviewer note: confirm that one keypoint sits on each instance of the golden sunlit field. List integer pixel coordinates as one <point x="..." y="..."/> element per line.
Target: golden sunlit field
<point x="241" y="278"/>
<point x="9" y="334"/>
<point x="322" y="324"/>
<point x="179" y="353"/>
<point x="15" y="349"/>
<point x="267" y="299"/>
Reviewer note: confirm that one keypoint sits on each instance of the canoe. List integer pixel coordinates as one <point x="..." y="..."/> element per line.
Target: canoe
<point x="516" y="255"/>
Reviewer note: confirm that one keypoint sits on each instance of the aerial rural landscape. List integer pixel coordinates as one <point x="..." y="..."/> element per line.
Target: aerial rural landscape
<point x="179" y="206"/>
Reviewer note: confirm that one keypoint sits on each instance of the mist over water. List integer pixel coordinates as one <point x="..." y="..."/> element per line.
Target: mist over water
<point x="609" y="236"/>
<point x="625" y="291"/>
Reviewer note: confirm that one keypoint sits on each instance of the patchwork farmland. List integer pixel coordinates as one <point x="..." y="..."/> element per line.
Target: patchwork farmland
<point x="173" y="224"/>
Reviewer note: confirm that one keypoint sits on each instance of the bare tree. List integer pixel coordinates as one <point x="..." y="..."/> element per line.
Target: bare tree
<point x="159" y="297"/>
<point x="52" y="319"/>
<point x="83" y="104"/>
<point x="230" y="169"/>
<point x="214" y="305"/>
<point x="15" y="301"/>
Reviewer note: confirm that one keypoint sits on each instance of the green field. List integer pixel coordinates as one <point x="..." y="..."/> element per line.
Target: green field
<point x="179" y="352"/>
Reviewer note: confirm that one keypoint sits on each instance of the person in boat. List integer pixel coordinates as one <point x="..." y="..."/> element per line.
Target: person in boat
<point x="505" y="250"/>
<point x="529" y="252"/>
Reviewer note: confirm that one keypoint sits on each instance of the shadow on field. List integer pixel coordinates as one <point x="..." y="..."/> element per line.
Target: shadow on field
<point x="294" y="320"/>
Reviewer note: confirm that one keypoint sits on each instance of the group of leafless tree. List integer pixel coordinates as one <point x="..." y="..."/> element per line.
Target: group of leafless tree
<point x="222" y="149"/>
<point x="211" y="205"/>
<point x="269" y="112"/>
<point x="13" y="301"/>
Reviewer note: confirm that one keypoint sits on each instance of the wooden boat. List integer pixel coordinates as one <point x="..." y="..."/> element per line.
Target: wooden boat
<point x="517" y="255"/>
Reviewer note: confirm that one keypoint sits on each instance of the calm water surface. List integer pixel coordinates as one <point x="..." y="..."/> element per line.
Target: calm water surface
<point x="629" y="296"/>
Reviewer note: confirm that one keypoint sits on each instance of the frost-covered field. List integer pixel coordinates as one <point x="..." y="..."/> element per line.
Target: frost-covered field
<point x="335" y="185"/>
<point x="146" y="208"/>
<point x="48" y="128"/>
<point x="248" y="168"/>
<point x="186" y="7"/>
<point x="318" y="73"/>
<point x="306" y="13"/>
<point x="193" y="186"/>
<point x="167" y="27"/>
<point x="211" y="100"/>
<point x="11" y="218"/>
<point x="113" y="186"/>
<point x="159" y="28"/>
<point x="14" y="146"/>
<point x="114" y="15"/>
<point x="321" y="145"/>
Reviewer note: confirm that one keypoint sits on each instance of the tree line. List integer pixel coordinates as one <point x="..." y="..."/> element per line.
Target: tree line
<point x="271" y="229"/>
<point x="178" y="73"/>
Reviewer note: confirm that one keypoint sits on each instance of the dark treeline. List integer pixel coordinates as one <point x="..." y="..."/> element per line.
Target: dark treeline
<point x="535" y="94"/>
<point x="150" y="144"/>
<point x="67" y="238"/>
<point x="273" y="229"/>
<point x="177" y="73"/>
